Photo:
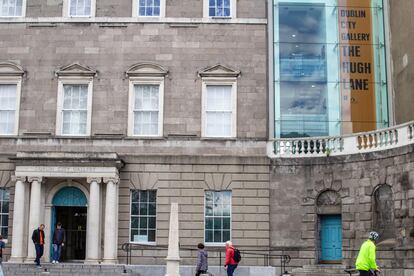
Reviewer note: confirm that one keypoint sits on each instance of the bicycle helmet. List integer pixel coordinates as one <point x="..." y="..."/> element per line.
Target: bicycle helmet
<point x="373" y="236"/>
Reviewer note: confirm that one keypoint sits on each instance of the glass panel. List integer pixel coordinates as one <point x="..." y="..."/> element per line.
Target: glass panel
<point x="151" y="222"/>
<point x="134" y="235"/>
<point x="134" y="222"/>
<point x="143" y="209"/>
<point x="143" y="224"/>
<point x="152" y="209"/>
<point x="209" y="223"/>
<point x="151" y="235"/>
<point x="135" y="196"/>
<point x="134" y="209"/>
<point x="209" y="236"/>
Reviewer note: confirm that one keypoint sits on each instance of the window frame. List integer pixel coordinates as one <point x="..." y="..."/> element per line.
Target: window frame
<point x="135" y="10"/>
<point x="217" y="244"/>
<point x="67" y="6"/>
<point x="233" y="10"/>
<point x="5" y="239"/>
<point x="60" y="99"/>
<point x="24" y="4"/>
<point x="130" y="217"/>
<point x="18" y="82"/>
<point x="131" y="103"/>
<point x="219" y="82"/>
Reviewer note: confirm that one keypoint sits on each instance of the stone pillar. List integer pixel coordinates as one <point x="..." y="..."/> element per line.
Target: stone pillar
<point x="173" y="258"/>
<point x="17" y="254"/>
<point x="34" y="214"/>
<point x="93" y="233"/>
<point x="111" y="221"/>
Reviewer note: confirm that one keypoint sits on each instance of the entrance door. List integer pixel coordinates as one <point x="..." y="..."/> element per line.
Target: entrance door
<point x="69" y="208"/>
<point x="331" y="238"/>
<point x="73" y="220"/>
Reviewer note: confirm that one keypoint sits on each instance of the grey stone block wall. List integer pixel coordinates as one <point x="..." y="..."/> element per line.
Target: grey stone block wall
<point x="296" y="184"/>
<point x="123" y="8"/>
<point x="185" y="182"/>
<point x="111" y="51"/>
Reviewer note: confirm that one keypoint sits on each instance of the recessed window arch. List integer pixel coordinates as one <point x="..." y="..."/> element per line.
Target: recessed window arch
<point x="10" y="90"/>
<point x="146" y="100"/>
<point x="74" y="109"/>
<point x="219" y="102"/>
<point x="384" y="211"/>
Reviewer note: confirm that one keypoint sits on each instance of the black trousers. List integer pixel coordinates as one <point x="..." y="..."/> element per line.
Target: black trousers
<point x="39" y="253"/>
<point x="200" y="272"/>
<point x="365" y="273"/>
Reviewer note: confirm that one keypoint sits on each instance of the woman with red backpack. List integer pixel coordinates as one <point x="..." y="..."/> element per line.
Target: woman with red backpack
<point x="232" y="258"/>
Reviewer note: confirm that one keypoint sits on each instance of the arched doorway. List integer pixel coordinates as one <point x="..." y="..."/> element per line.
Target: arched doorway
<point x="328" y="208"/>
<point x="70" y="209"/>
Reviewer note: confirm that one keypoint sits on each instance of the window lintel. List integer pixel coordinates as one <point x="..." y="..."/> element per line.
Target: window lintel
<point x="146" y="70"/>
<point x="9" y="69"/>
<point x="76" y="70"/>
<point x="219" y="71"/>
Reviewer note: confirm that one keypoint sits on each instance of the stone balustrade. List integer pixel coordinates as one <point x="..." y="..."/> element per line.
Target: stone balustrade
<point x="365" y="142"/>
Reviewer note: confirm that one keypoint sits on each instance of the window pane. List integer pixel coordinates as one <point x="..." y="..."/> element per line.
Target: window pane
<point x="144" y="203"/>
<point x="218" y="219"/>
<point x="11" y="7"/>
<point x="80" y="7"/>
<point x="151" y="235"/>
<point x="209" y="236"/>
<point x="134" y="222"/>
<point x="4" y="212"/>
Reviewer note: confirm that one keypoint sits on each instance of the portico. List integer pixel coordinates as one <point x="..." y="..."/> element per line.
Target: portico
<point x="38" y="178"/>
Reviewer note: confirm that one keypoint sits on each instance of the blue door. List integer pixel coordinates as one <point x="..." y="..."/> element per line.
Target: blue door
<point x="331" y="238"/>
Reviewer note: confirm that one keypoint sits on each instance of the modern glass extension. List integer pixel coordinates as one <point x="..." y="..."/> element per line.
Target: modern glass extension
<point x="329" y="67"/>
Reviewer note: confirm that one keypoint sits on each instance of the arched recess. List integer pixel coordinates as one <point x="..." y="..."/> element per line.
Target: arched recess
<point x="70" y="196"/>
<point x="329" y="208"/>
<point x="383" y="208"/>
<point x="50" y="214"/>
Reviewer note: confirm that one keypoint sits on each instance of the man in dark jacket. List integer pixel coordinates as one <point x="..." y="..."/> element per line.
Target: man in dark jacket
<point x="38" y="238"/>
<point x="202" y="262"/>
<point x="59" y="239"/>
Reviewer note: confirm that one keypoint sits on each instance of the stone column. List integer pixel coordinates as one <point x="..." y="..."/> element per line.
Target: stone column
<point x="111" y="221"/>
<point x="93" y="233"/>
<point x="173" y="258"/>
<point x="34" y="213"/>
<point x="17" y="254"/>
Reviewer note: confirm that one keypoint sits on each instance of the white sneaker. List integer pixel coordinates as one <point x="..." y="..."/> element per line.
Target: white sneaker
<point x="56" y="262"/>
<point x="53" y="262"/>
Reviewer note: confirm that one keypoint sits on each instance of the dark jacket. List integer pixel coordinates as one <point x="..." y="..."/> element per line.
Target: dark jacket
<point x="36" y="236"/>
<point x="59" y="236"/>
<point x="202" y="262"/>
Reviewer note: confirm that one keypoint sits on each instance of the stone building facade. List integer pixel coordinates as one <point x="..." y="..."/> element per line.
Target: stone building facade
<point x="101" y="171"/>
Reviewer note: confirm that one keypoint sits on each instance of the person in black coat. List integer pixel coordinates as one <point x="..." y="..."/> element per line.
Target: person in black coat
<point x="38" y="238"/>
<point x="59" y="240"/>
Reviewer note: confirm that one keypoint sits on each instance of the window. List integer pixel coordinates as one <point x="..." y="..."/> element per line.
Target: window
<point x="10" y="88"/>
<point x="146" y="97"/>
<point x="80" y="8"/>
<point x="12" y="8"/>
<point x="8" y="102"/>
<point x="74" y="107"/>
<point x="218" y="114"/>
<point x="217" y="222"/>
<point x="219" y="8"/>
<point x="219" y="102"/>
<point x="149" y="8"/>
<point x="4" y="213"/>
<point x="143" y="216"/>
<point x="146" y="111"/>
<point x="74" y="110"/>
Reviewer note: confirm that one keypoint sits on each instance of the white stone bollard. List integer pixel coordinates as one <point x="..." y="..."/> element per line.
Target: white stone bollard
<point x="173" y="258"/>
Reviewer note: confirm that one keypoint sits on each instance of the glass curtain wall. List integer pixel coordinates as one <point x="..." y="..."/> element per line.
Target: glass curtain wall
<point x="329" y="66"/>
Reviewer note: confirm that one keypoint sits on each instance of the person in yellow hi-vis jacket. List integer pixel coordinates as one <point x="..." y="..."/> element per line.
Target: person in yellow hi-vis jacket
<point x="366" y="262"/>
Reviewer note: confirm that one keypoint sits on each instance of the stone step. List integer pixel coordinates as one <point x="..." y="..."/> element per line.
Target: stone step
<point x="318" y="270"/>
<point x="66" y="269"/>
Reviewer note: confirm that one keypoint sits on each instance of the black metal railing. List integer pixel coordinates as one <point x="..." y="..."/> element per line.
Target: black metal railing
<point x="259" y="257"/>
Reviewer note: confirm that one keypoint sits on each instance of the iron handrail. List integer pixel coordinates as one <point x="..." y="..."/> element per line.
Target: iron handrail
<point x="284" y="259"/>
